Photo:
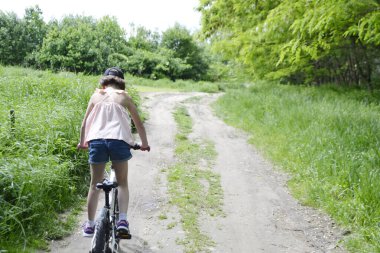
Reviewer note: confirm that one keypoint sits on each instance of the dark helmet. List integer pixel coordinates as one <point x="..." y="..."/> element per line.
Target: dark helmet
<point x="114" y="71"/>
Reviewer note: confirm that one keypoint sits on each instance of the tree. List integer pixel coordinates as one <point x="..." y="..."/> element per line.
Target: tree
<point x="110" y="39"/>
<point x="11" y="47"/>
<point x="34" y="32"/>
<point x="142" y="38"/>
<point x="81" y="44"/>
<point x="299" y="41"/>
<point x="84" y="44"/>
<point x="152" y="56"/>
<point x="179" y="40"/>
<point x="21" y="38"/>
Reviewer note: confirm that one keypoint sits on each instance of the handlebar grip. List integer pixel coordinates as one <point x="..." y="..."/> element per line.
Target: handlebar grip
<point x="136" y="146"/>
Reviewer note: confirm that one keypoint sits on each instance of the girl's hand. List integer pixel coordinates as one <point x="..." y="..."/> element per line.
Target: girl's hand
<point x="145" y="148"/>
<point x="81" y="146"/>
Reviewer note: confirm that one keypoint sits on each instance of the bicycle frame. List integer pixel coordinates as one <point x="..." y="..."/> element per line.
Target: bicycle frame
<point x="105" y="229"/>
<point x="105" y="239"/>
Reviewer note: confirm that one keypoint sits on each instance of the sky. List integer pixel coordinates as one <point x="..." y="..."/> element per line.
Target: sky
<point x="156" y="15"/>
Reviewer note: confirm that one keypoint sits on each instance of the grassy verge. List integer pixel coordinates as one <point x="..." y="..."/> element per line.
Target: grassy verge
<point x="194" y="188"/>
<point x="41" y="173"/>
<point x="329" y="139"/>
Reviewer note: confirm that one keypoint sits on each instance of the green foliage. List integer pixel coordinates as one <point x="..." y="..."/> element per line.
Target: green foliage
<point x="87" y="45"/>
<point x="142" y="38"/>
<point x="328" y="138"/>
<point x="298" y="41"/>
<point x="174" y="55"/>
<point x="179" y="40"/>
<point x="41" y="173"/>
<point x="25" y="35"/>
<point x="10" y="29"/>
<point x="81" y="44"/>
<point x="181" y="85"/>
<point x="35" y="31"/>
<point x="154" y="65"/>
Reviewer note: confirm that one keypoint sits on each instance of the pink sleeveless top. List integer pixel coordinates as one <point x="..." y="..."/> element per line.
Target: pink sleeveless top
<point x="109" y="120"/>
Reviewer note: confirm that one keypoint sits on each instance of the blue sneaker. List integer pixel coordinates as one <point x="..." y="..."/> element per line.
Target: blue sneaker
<point x="123" y="229"/>
<point x="88" y="231"/>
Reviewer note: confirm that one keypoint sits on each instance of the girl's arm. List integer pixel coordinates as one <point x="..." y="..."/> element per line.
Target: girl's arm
<point x="138" y="123"/>
<point x="82" y="144"/>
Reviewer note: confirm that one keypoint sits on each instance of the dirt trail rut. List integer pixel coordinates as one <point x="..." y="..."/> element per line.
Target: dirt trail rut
<point x="261" y="215"/>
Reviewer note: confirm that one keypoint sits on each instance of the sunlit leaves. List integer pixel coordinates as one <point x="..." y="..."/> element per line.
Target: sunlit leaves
<point x="287" y="38"/>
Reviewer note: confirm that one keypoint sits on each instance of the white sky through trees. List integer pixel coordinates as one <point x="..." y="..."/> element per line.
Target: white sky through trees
<point x="152" y="14"/>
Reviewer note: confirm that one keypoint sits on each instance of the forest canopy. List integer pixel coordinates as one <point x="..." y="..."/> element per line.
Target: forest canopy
<point x="88" y="45"/>
<point x="298" y="41"/>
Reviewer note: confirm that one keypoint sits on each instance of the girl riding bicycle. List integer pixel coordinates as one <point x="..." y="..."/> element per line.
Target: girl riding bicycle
<point x="106" y="132"/>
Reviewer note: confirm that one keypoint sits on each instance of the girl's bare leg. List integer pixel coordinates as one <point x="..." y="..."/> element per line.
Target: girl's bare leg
<point x="97" y="175"/>
<point x="121" y="172"/>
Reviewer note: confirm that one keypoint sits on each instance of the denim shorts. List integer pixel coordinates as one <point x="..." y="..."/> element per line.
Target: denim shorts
<point x="104" y="150"/>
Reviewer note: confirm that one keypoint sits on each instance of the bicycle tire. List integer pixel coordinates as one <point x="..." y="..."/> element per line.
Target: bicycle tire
<point x="115" y="204"/>
<point x="115" y="212"/>
<point x="101" y="236"/>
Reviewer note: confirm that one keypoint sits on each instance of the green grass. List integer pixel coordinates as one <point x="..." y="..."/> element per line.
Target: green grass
<point x="41" y="173"/>
<point x="178" y="85"/>
<point x="329" y="140"/>
<point x="194" y="188"/>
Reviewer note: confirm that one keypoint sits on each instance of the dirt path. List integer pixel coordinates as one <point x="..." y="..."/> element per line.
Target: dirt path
<point x="261" y="216"/>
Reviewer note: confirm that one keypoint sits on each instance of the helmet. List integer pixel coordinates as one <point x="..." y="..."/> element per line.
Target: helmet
<point x="114" y="71"/>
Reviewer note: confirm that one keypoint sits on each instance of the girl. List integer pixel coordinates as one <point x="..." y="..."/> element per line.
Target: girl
<point x="106" y="131"/>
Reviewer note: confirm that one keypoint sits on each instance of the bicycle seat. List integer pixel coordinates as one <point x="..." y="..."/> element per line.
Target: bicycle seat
<point x="106" y="185"/>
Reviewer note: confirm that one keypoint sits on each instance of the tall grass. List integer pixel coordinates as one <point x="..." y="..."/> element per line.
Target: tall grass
<point x="329" y="140"/>
<point x="41" y="172"/>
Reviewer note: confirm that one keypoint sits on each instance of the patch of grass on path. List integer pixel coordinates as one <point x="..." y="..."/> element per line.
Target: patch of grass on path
<point x="193" y="187"/>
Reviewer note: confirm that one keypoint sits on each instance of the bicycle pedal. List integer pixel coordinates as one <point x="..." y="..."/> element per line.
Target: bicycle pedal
<point x="124" y="236"/>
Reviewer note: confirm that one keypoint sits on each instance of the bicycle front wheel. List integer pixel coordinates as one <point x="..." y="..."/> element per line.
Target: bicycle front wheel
<point x="115" y="204"/>
<point x="101" y="236"/>
<point x="115" y="217"/>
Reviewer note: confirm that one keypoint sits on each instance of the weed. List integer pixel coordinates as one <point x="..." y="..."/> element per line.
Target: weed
<point x="172" y="225"/>
<point x="162" y="217"/>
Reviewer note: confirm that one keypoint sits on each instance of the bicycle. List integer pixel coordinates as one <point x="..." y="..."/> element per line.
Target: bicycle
<point x="106" y="239"/>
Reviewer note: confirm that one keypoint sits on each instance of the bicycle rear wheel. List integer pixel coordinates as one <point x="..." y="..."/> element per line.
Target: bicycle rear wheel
<point x="101" y="236"/>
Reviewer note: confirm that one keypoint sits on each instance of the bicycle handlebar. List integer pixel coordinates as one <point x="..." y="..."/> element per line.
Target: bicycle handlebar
<point x="137" y="146"/>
